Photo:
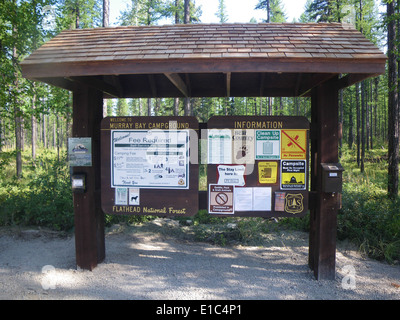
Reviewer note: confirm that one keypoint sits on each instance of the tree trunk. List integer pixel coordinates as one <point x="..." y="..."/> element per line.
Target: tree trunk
<point x="77" y="17"/>
<point x="34" y="126"/>
<point x="340" y="122"/>
<point x="106" y="13"/>
<point x="187" y="21"/>
<point x="393" y="107"/>
<point x="376" y="107"/>
<point x="176" y="107"/>
<point x="363" y="107"/>
<point x="44" y="137"/>
<point x="17" y="110"/>
<point x="1" y="135"/>
<point x="149" y="107"/>
<point x="187" y="107"/>
<point x="269" y="106"/>
<point x="187" y="12"/>
<point x="358" y="123"/>
<point x="351" y="136"/>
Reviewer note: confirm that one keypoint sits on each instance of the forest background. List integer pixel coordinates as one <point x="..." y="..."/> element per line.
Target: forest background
<point x="35" y="119"/>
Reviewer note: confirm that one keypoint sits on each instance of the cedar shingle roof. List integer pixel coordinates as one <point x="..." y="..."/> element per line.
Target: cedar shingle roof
<point x="204" y="60"/>
<point x="288" y="40"/>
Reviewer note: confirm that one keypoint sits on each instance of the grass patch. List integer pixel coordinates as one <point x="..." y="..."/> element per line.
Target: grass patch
<point x="368" y="217"/>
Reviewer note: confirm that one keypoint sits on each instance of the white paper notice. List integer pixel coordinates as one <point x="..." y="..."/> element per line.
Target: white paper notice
<point x="243" y="199"/>
<point x="253" y="199"/>
<point x="219" y="146"/>
<point x="262" y="199"/>
<point x="231" y="175"/>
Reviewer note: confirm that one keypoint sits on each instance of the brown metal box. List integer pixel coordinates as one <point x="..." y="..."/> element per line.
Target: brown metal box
<point x="332" y="177"/>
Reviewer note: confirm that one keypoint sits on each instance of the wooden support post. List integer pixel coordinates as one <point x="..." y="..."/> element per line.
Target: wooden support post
<point x="324" y="149"/>
<point x="89" y="217"/>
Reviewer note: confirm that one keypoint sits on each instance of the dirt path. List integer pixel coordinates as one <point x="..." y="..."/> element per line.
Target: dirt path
<point x="142" y="263"/>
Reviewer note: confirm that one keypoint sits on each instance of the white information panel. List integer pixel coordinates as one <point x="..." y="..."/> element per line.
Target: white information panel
<point x="150" y="159"/>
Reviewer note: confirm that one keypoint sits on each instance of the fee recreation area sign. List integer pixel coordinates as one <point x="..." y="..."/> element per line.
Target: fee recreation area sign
<point x="145" y="162"/>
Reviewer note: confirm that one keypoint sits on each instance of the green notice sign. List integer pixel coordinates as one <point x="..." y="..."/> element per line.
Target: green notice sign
<point x="268" y="144"/>
<point x="80" y="152"/>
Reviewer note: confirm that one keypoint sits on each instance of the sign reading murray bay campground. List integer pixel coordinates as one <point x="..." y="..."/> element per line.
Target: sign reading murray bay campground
<point x="146" y="168"/>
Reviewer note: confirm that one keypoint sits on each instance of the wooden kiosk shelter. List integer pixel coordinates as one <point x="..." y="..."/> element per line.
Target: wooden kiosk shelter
<point x="213" y="60"/>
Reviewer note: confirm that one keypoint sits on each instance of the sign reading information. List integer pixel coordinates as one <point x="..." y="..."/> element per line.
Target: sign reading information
<point x="274" y="155"/>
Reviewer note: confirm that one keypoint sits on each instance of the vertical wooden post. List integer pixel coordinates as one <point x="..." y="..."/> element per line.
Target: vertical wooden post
<point x="324" y="149"/>
<point x="89" y="217"/>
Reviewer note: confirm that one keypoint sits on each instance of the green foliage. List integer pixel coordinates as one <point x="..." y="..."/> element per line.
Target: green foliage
<point x="221" y="13"/>
<point x="42" y="197"/>
<point x="129" y="220"/>
<point x="79" y="14"/>
<point x="368" y="217"/>
<point x="275" y="10"/>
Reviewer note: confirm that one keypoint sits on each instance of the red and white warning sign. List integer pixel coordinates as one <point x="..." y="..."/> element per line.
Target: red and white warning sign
<point x="220" y="199"/>
<point x="293" y="144"/>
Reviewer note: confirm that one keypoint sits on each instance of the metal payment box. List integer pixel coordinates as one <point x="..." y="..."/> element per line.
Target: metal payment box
<point x="332" y="177"/>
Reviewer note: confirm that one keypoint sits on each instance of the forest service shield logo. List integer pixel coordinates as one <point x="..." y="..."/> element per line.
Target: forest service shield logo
<point x="294" y="203"/>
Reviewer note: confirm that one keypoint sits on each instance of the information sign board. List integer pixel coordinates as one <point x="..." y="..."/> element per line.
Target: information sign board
<point x="274" y="151"/>
<point x="145" y="161"/>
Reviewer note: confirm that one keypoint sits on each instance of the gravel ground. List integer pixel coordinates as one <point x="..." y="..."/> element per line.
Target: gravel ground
<point x="146" y="263"/>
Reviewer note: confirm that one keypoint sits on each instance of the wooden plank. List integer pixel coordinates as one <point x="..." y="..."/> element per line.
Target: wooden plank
<point x="153" y="85"/>
<point x="324" y="149"/>
<point x="310" y="81"/>
<point x="178" y="82"/>
<point x="89" y="218"/>
<point x="228" y="83"/>
<point x="98" y="84"/>
<point x="350" y="79"/>
<point x="175" y="66"/>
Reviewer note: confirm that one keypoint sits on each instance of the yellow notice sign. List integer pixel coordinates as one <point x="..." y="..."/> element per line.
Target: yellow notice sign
<point x="267" y="172"/>
<point x="293" y="144"/>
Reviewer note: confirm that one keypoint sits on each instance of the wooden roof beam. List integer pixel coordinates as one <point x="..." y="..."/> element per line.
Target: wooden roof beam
<point x="98" y="84"/>
<point x="153" y="86"/>
<point x="228" y="83"/>
<point x="350" y="79"/>
<point x="313" y="80"/>
<point x="178" y="83"/>
<point x="262" y="84"/>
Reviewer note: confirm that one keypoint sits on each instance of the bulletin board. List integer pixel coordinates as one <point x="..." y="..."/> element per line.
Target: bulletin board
<point x="258" y="166"/>
<point x="146" y="167"/>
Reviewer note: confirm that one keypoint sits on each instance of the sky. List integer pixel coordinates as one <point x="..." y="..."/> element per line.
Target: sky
<point x="237" y="10"/>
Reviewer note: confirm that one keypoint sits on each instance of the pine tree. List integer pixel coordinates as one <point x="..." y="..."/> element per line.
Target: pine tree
<point x="326" y="10"/>
<point x="79" y="14"/>
<point x="142" y="13"/>
<point x="221" y="13"/>
<point x="274" y="8"/>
